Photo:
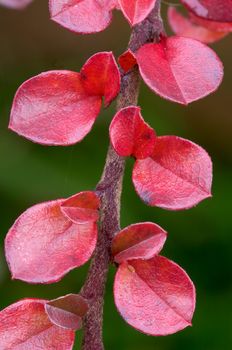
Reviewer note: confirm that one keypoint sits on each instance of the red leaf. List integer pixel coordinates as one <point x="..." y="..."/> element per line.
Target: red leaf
<point x="81" y="208"/>
<point x="212" y="25"/>
<point x="180" y="63"/>
<point x="186" y="27"/>
<point x="15" y="4"/>
<point x="214" y="10"/>
<point x="43" y="244"/>
<point x="100" y="76"/>
<point x="82" y="16"/>
<point x="68" y="311"/>
<point x="177" y="176"/>
<point x="127" y="60"/>
<point x="143" y="240"/>
<point x="130" y="135"/>
<point x="136" y="11"/>
<point x="53" y="109"/>
<point x="25" y="325"/>
<point x="155" y="296"/>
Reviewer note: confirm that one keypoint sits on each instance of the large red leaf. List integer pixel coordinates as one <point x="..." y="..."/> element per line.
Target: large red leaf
<point x="155" y="296"/>
<point x="177" y="176"/>
<point x="25" y="325"/>
<point x="130" y="135"/>
<point x="186" y="27"/>
<point x="82" y="16"/>
<point x="100" y="76"/>
<point x="15" y="4"/>
<point x="143" y="240"/>
<point x="213" y="10"/>
<point x="175" y="69"/>
<point x="44" y="244"/>
<point x="54" y="109"/>
<point x="68" y="311"/>
<point x="136" y="11"/>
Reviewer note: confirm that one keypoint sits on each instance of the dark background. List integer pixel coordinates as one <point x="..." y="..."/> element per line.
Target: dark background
<point x="199" y="239"/>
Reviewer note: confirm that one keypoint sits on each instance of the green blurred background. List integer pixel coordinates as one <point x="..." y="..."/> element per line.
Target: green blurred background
<point x="199" y="239"/>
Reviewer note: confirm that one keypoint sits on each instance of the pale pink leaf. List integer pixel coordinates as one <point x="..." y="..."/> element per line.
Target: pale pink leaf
<point x="178" y="175"/>
<point x="213" y="10"/>
<point x="225" y="27"/>
<point x="82" y="16"/>
<point x="67" y="311"/>
<point x="81" y="208"/>
<point x="15" y="4"/>
<point x="184" y="26"/>
<point x="175" y="68"/>
<point x="54" y="109"/>
<point x="25" y="326"/>
<point x="154" y="296"/>
<point x="143" y="240"/>
<point x="44" y="244"/>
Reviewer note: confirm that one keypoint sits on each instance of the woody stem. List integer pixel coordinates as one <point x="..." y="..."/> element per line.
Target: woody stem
<point x="109" y="189"/>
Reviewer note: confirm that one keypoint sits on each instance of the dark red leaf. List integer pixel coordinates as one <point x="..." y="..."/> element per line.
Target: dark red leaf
<point x="136" y="11"/>
<point x="81" y="208"/>
<point x="68" y="311"/>
<point x="178" y="175"/>
<point x="175" y="69"/>
<point x="186" y="27"/>
<point x="54" y="109"/>
<point x="155" y="296"/>
<point x="44" y="244"/>
<point x="127" y="60"/>
<point x="82" y="16"/>
<point x="100" y="76"/>
<point x="213" y="10"/>
<point x="143" y="240"/>
<point x="130" y="135"/>
<point x="15" y="4"/>
<point x="25" y="325"/>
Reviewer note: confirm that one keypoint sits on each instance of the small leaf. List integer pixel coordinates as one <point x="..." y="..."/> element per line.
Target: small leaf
<point x="186" y="27"/>
<point x="15" y="4"/>
<point x="54" y="109"/>
<point x="130" y="135"/>
<point x="136" y="11"/>
<point x="68" y="311"/>
<point x="44" y="244"/>
<point x="154" y="296"/>
<point x="127" y="60"/>
<point x="178" y="175"/>
<point x="82" y="16"/>
<point x="100" y="76"/>
<point x="25" y="325"/>
<point x="81" y="208"/>
<point x="175" y="69"/>
<point x="139" y="241"/>
<point x="213" y="10"/>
